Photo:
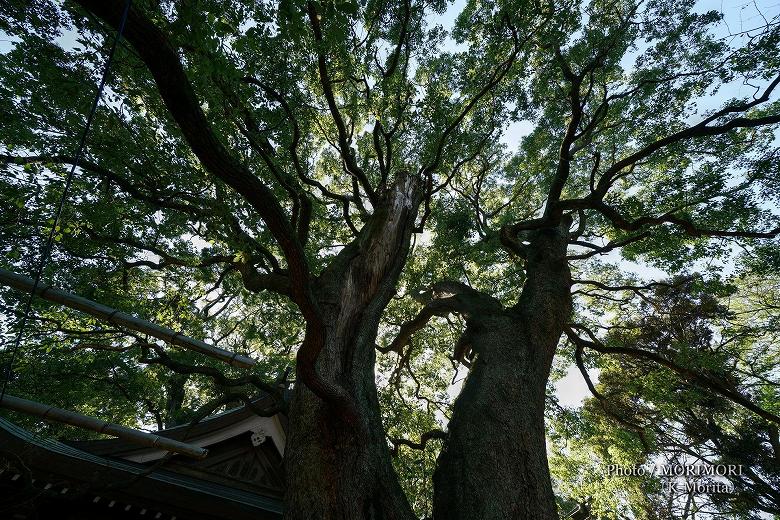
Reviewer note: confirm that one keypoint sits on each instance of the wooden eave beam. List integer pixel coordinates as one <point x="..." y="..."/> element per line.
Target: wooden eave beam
<point x="105" y="313"/>
<point x="53" y="414"/>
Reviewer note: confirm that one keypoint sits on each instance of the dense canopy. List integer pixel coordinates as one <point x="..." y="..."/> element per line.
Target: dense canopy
<point x="420" y="216"/>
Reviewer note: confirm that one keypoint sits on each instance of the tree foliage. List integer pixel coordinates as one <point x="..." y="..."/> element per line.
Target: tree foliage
<point x="243" y="151"/>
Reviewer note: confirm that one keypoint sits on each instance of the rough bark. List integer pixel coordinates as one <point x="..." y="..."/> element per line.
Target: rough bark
<point x="335" y="470"/>
<point x="493" y="465"/>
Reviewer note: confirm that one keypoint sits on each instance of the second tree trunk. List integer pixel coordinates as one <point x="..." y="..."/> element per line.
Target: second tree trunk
<point x="493" y="465"/>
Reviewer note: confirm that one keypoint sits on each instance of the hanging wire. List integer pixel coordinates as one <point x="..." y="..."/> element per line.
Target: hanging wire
<point x="58" y="212"/>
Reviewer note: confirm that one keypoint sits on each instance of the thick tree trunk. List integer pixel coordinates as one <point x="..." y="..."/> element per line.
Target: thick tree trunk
<point x="493" y="465"/>
<point x="335" y="470"/>
<point x="175" y="399"/>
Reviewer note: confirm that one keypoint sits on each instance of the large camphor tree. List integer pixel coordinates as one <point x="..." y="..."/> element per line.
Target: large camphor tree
<point x="336" y="185"/>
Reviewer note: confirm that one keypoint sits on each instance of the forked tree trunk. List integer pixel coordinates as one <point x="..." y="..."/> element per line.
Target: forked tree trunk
<point x="335" y="470"/>
<point x="493" y="465"/>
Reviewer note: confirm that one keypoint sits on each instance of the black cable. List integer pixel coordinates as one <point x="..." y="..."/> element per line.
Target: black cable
<point x="77" y="159"/>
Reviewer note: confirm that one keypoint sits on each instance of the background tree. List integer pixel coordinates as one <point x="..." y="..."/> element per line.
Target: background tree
<point x="643" y="413"/>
